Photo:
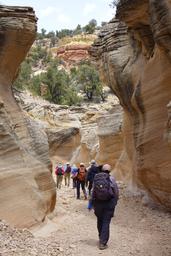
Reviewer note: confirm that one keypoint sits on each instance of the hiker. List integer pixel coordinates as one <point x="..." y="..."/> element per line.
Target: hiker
<point x="74" y="172"/>
<point x="92" y="171"/>
<point x="104" y="199"/>
<point x="59" y="171"/>
<point x="67" y="174"/>
<point x="81" y="180"/>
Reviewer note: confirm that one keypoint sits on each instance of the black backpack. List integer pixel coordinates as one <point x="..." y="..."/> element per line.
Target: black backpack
<point x="92" y="172"/>
<point x="102" y="187"/>
<point x="68" y="169"/>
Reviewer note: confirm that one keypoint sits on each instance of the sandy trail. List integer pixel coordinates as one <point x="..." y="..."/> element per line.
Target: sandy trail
<point x="135" y="230"/>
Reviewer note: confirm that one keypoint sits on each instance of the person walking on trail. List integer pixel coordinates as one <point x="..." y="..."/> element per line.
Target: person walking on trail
<point x="67" y="174"/>
<point x="104" y="199"/>
<point x="92" y="171"/>
<point x="74" y="172"/>
<point x="81" y="180"/>
<point x="59" y="171"/>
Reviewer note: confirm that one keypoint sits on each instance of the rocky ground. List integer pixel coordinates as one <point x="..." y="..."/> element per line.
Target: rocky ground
<point x="135" y="230"/>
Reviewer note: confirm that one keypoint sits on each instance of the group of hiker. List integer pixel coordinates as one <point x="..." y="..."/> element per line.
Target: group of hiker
<point x="102" y="189"/>
<point x="81" y="176"/>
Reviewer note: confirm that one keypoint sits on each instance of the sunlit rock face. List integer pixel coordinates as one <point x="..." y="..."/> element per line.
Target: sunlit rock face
<point x="77" y="134"/>
<point x="110" y="138"/>
<point x="27" y="191"/>
<point x="135" y="61"/>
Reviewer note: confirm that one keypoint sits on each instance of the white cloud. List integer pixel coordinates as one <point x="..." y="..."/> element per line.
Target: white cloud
<point x="88" y="8"/>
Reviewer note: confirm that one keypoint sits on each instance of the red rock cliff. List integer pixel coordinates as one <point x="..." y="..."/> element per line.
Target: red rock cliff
<point x="27" y="191"/>
<point x="133" y="54"/>
<point x="73" y="53"/>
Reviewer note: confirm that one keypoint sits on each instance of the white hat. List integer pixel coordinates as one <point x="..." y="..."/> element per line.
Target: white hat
<point x="67" y="163"/>
<point x="106" y="167"/>
<point x="93" y="162"/>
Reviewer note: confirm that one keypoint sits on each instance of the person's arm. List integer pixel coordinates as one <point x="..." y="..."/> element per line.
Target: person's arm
<point x="115" y="187"/>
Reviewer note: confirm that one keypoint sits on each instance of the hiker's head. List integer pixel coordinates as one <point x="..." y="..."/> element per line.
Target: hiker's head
<point x="82" y="165"/>
<point x="59" y="165"/>
<point x="106" y="168"/>
<point x="93" y="162"/>
<point x="67" y="163"/>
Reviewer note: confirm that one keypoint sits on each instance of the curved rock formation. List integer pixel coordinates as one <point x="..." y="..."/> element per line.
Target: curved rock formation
<point x="27" y="191"/>
<point x="135" y="60"/>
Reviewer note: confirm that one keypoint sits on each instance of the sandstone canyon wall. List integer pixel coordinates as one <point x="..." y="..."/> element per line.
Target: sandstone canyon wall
<point x="133" y="53"/>
<point x="77" y="133"/>
<point x="27" y="191"/>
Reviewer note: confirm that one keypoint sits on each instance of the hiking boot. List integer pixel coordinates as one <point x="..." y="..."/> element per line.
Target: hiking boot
<point x="102" y="246"/>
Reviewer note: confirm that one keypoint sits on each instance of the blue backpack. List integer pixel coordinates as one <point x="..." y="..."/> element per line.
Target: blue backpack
<point x="103" y="188"/>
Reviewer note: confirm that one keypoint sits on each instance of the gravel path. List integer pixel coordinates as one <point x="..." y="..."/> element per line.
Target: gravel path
<point x="135" y="230"/>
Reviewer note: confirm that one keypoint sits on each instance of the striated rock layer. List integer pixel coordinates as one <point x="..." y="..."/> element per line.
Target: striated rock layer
<point x="73" y="53"/>
<point x="27" y="192"/>
<point x="135" y="61"/>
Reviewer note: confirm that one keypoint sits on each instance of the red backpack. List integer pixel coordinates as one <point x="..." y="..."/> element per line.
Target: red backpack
<point x="59" y="171"/>
<point x="81" y="176"/>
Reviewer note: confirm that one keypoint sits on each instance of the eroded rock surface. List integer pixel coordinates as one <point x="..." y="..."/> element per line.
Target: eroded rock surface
<point x="27" y="191"/>
<point x="133" y="56"/>
<point x="78" y="133"/>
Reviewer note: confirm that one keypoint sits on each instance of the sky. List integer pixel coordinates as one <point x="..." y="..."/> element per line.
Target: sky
<point x="59" y="14"/>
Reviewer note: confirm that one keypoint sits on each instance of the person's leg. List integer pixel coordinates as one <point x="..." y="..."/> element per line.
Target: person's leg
<point x="74" y="183"/>
<point x="90" y="187"/>
<point x="69" y="179"/>
<point x="57" y="181"/>
<point x="65" y="177"/>
<point x="105" y="231"/>
<point x="78" y="189"/>
<point x="99" y="225"/>
<point x="83" y="189"/>
<point x="60" y="181"/>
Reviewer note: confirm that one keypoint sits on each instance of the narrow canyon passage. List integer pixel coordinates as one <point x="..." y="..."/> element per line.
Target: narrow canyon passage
<point x="135" y="229"/>
<point x="71" y="96"/>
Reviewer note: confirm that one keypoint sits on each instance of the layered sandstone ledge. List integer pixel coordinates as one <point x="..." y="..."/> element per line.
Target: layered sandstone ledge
<point x="27" y="191"/>
<point x="73" y="53"/>
<point x="133" y="56"/>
